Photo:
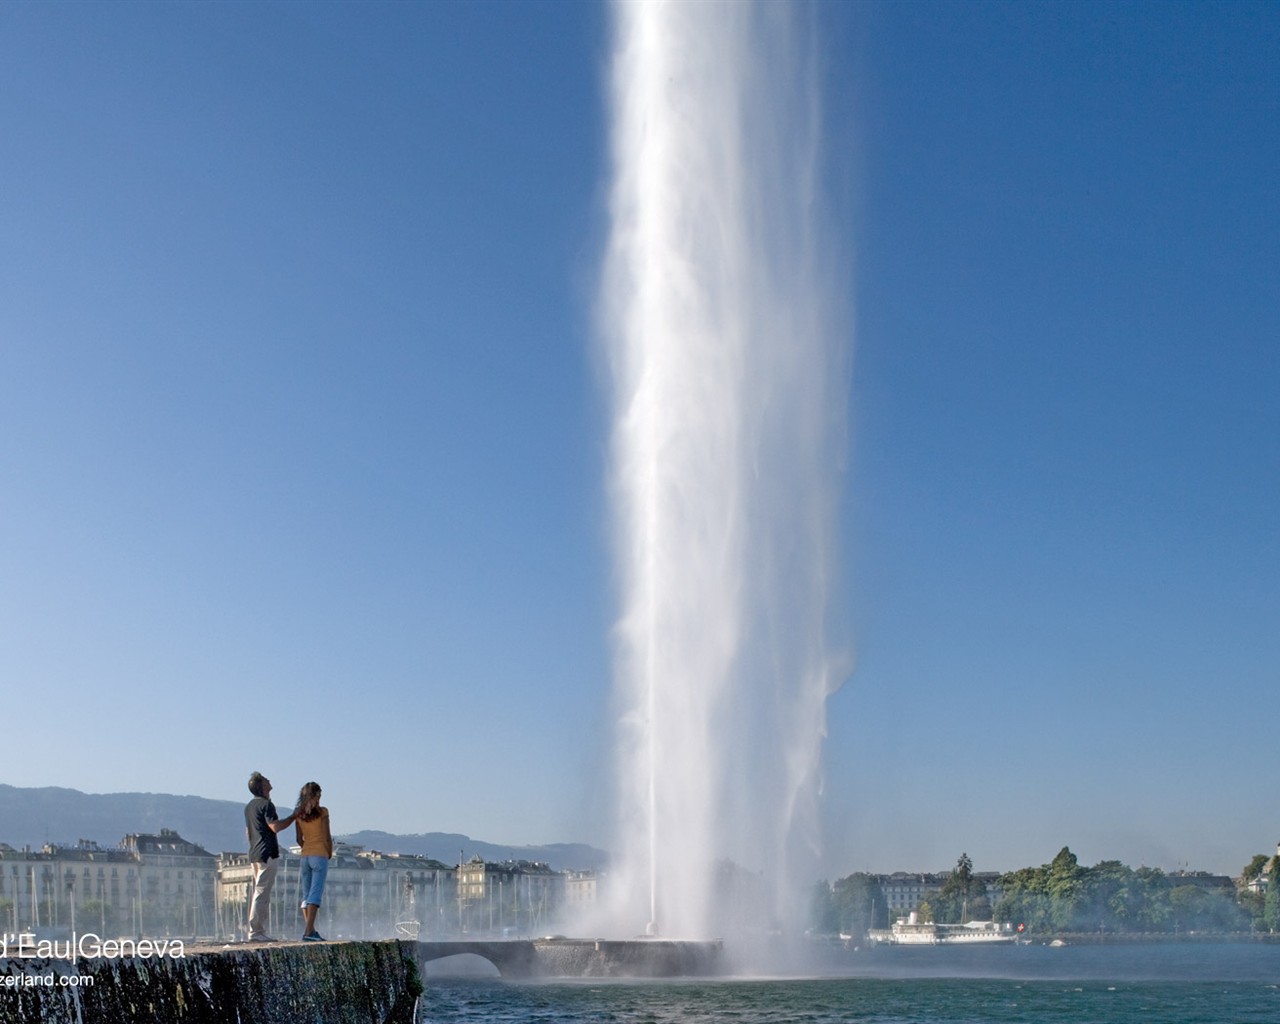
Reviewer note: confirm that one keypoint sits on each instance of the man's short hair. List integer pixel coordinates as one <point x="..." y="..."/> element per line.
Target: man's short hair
<point x="256" y="781"/>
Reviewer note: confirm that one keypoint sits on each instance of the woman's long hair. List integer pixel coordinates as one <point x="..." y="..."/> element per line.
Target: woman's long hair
<point x="309" y="801"/>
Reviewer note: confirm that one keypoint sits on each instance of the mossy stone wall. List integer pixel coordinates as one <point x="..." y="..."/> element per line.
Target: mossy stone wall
<point x="320" y="983"/>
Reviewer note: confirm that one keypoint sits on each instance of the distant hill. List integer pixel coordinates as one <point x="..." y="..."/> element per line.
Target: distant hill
<point x="54" y="815"/>
<point x="50" y="814"/>
<point x="448" y="846"/>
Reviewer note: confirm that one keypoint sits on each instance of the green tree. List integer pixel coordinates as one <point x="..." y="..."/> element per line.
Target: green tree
<point x="860" y="904"/>
<point x="963" y="897"/>
<point x="822" y="909"/>
<point x="1255" y="868"/>
<point x="963" y="875"/>
<point x="1155" y="912"/>
<point x="1189" y="904"/>
<point x="1063" y="896"/>
<point x="1252" y="904"/>
<point x="1066" y="889"/>
<point x="1047" y="898"/>
<point x="1025" y="898"/>
<point x="1198" y="909"/>
<point x="1105" y="898"/>
<point x="1271" y="905"/>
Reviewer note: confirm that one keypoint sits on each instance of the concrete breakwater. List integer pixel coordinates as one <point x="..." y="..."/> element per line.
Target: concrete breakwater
<point x="585" y="958"/>
<point x="319" y="983"/>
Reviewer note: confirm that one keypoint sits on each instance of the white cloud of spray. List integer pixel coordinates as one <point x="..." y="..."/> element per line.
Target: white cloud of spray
<point x="729" y="374"/>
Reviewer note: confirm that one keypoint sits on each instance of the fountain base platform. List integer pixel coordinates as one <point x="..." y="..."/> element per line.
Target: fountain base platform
<point x="586" y="958"/>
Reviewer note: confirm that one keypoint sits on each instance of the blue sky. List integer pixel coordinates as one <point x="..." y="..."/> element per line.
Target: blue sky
<point x="302" y="438"/>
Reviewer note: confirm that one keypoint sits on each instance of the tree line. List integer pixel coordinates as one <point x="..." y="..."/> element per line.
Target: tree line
<point x="1063" y="896"/>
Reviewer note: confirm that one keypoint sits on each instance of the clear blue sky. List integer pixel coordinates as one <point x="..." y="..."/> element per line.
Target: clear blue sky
<point x="302" y="439"/>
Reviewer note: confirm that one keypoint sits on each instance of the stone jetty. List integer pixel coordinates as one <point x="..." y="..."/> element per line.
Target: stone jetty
<point x="348" y="982"/>
<point x="586" y="958"/>
<point x="321" y="983"/>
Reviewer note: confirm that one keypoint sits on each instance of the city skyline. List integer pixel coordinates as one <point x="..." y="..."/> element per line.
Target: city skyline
<point x="445" y="849"/>
<point x="305" y="436"/>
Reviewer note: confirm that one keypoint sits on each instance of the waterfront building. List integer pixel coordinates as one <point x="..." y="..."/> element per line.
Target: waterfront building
<point x="176" y="882"/>
<point x="148" y="886"/>
<point x="1262" y="882"/>
<point x="1202" y="880"/>
<point x="367" y="895"/>
<point x="511" y="898"/>
<point x="905" y="891"/>
<point x="581" y="890"/>
<point x="421" y="893"/>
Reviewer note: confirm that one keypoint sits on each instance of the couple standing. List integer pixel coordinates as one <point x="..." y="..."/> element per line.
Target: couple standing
<point x="262" y="823"/>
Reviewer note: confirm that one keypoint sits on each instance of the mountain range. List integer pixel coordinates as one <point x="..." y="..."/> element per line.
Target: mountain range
<point x="51" y="814"/>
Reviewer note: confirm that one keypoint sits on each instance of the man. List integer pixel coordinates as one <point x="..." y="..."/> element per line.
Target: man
<point x="261" y="824"/>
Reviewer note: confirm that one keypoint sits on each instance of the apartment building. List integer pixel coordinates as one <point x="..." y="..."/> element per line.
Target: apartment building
<point x="148" y="886"/>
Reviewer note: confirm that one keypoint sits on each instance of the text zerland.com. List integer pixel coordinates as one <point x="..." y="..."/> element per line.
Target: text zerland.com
<point x="49" y="980"/>
<point x="90" y="946"/>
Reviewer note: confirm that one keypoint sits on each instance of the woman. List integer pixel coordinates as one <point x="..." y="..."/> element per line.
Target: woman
<point x="317" y="847"/>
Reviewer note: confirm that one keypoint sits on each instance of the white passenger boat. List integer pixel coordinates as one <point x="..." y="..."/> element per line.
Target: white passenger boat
<point x="909" y="931"/>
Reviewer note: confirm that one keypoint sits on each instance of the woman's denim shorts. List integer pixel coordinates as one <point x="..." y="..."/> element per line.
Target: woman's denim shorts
<point x="311" y="881"/>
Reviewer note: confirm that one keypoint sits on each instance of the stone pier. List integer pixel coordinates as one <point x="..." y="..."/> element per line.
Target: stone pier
<point x="320" y="983"/>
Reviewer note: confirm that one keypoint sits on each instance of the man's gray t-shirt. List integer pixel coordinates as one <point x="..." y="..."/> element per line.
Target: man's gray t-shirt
<point x="263" y="845"/>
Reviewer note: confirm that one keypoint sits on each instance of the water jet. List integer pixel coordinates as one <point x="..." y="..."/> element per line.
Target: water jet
<point x="728" y="380"/>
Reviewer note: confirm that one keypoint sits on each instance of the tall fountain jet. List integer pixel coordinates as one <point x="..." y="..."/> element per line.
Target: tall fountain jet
<point x="729" y="376"/>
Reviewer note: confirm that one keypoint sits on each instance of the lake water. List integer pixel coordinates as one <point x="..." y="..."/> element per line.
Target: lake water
<point x="1173" y="984"/>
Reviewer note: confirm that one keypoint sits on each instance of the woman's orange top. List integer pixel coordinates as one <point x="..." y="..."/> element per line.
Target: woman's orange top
<point x="313" y="835"/>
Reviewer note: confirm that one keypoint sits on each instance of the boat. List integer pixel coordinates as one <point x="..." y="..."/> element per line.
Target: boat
<point x="910" y="931"/>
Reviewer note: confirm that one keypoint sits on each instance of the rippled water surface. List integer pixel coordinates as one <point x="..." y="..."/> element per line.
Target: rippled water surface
<point x="1189" y="984"/>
